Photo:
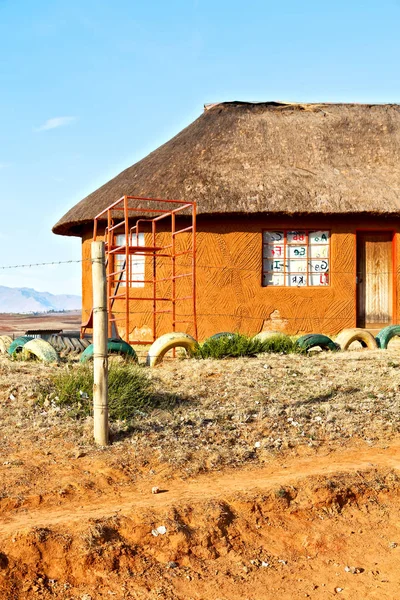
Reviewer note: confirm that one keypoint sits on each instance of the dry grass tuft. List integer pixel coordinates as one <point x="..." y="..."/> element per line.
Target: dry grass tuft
<point x="229" y="412"/>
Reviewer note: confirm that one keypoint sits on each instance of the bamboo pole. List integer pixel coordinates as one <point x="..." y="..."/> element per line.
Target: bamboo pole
<point x="100" y="338"/>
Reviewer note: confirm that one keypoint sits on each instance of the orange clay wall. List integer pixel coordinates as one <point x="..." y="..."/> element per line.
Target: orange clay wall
<point x="230" y="296"/>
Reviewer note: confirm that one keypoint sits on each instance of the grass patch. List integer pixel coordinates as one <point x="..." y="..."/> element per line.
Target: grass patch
<point x="130" y="391"/>
<point x="237" y="345"/>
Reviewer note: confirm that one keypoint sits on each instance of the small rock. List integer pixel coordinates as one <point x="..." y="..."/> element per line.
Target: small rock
<point x="161" y="530"/>
<point x="392" y="545"/>
<point x="353" y="570"/>
<point x="79" y="454"/>
<point x="155" y="490"/>
<point x="86" y="597"/>
<point x="264" y="564"/>
<point x="257" y="445"/>
<point x="11" y="397"/>
<point x="172" y="564"/>
<point x="338" y="590"/>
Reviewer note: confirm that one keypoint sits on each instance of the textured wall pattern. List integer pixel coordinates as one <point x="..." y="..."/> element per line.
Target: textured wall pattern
<point x="230" y="296"/>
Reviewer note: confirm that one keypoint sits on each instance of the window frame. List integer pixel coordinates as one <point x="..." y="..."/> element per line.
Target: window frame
<point x="286" y="272"/>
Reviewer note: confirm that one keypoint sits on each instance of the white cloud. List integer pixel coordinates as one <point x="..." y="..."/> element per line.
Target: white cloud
<point x="55" y="123"/>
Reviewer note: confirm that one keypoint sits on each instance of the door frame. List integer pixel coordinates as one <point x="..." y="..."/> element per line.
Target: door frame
<point x="394" y="266"/>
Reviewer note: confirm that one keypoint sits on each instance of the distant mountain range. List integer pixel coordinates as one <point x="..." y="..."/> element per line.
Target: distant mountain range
<point x="27" y="300"/>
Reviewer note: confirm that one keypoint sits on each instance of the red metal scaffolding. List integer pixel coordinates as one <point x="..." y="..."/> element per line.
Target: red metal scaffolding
<point x="135" y="218"/>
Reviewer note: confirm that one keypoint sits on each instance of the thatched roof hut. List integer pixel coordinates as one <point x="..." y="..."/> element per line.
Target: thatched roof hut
<point x="319" y="249"/>
<point x="268" y="157"/>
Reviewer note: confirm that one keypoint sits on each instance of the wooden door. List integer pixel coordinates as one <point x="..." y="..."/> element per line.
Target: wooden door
<point x="374" y="280"/>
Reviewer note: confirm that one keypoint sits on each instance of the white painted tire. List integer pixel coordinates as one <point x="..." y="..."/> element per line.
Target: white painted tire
<point x="348" y="336"/>
<point x="166" y="342"/>
<point x="41" y="349"/>
<point x="5" y="343"/>
<point x="267" y="335"/>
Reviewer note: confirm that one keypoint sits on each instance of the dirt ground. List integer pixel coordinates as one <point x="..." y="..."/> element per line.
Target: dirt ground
<point x="17" y="324"/>
<point x="278" y="477"/>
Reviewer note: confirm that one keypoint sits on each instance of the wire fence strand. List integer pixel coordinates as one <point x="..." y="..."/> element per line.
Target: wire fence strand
<point x="44" y="264"/>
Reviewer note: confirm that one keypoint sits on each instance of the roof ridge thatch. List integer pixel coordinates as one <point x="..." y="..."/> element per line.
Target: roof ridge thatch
<point x="275" y="157"/>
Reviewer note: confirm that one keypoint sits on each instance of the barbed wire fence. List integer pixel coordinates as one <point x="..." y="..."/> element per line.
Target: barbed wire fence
<point x="222" y="268"/>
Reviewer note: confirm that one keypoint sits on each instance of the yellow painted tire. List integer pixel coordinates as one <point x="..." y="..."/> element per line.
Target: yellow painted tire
<point x="165" y="343"/>
<point x="348" y="336"/>
<point x="41" y="349"/>
<point x="5" y="343"/>
<point x="267" y="335"/>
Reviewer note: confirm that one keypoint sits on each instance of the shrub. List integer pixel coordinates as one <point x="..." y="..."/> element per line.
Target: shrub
<point x="129" y="391"/>
<point x="232" y="345"/>
<point x="281" y="344"/>
<point x="235" y="345"/>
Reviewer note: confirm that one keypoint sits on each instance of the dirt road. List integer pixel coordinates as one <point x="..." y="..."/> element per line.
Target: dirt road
<point x="310" y="527"/>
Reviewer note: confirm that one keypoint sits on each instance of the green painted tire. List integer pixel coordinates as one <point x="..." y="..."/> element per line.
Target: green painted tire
<point x="113" y="347"/>
<point x="386" y="334"/>
<point x="18" y="344"/>
<point x="217" y="336"/>
<point x="312" y="340"/>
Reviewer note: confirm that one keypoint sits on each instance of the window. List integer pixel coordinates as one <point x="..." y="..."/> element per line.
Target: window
<point x="296" y="258"/>
<point x="137" y="263"/>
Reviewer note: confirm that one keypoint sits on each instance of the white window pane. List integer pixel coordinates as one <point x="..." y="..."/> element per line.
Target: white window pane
<point x="297" y="266"/>
<point x="296" y="280"/>
<point x="296" y="237"/>
<point x="319" y="279"/>
<point x="318" y="237"/>
<point x="319" y="251"/>
<point x="274" y="237"/>
<point x="319" y="266"/>
<point x="296" y="251"/>
<point x="136" y="261"/>
<point x="273" y="279"/>
<point x="120" y="239"/>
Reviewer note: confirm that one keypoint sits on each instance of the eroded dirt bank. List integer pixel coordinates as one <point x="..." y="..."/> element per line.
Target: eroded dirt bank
<point x="257" y="534"/>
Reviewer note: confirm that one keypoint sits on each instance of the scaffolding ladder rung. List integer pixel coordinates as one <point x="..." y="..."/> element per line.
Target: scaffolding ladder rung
<point x="183" y="230"/>
<point x="116" y="226"/>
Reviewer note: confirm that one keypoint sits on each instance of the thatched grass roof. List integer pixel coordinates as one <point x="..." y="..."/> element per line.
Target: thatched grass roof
<point x="241" y="157"/>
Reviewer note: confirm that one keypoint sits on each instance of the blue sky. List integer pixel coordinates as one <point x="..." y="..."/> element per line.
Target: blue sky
<point x="90" y="87"/>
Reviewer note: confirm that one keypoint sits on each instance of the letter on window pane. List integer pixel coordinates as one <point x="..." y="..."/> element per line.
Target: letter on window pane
<point x="296" y="237"/>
